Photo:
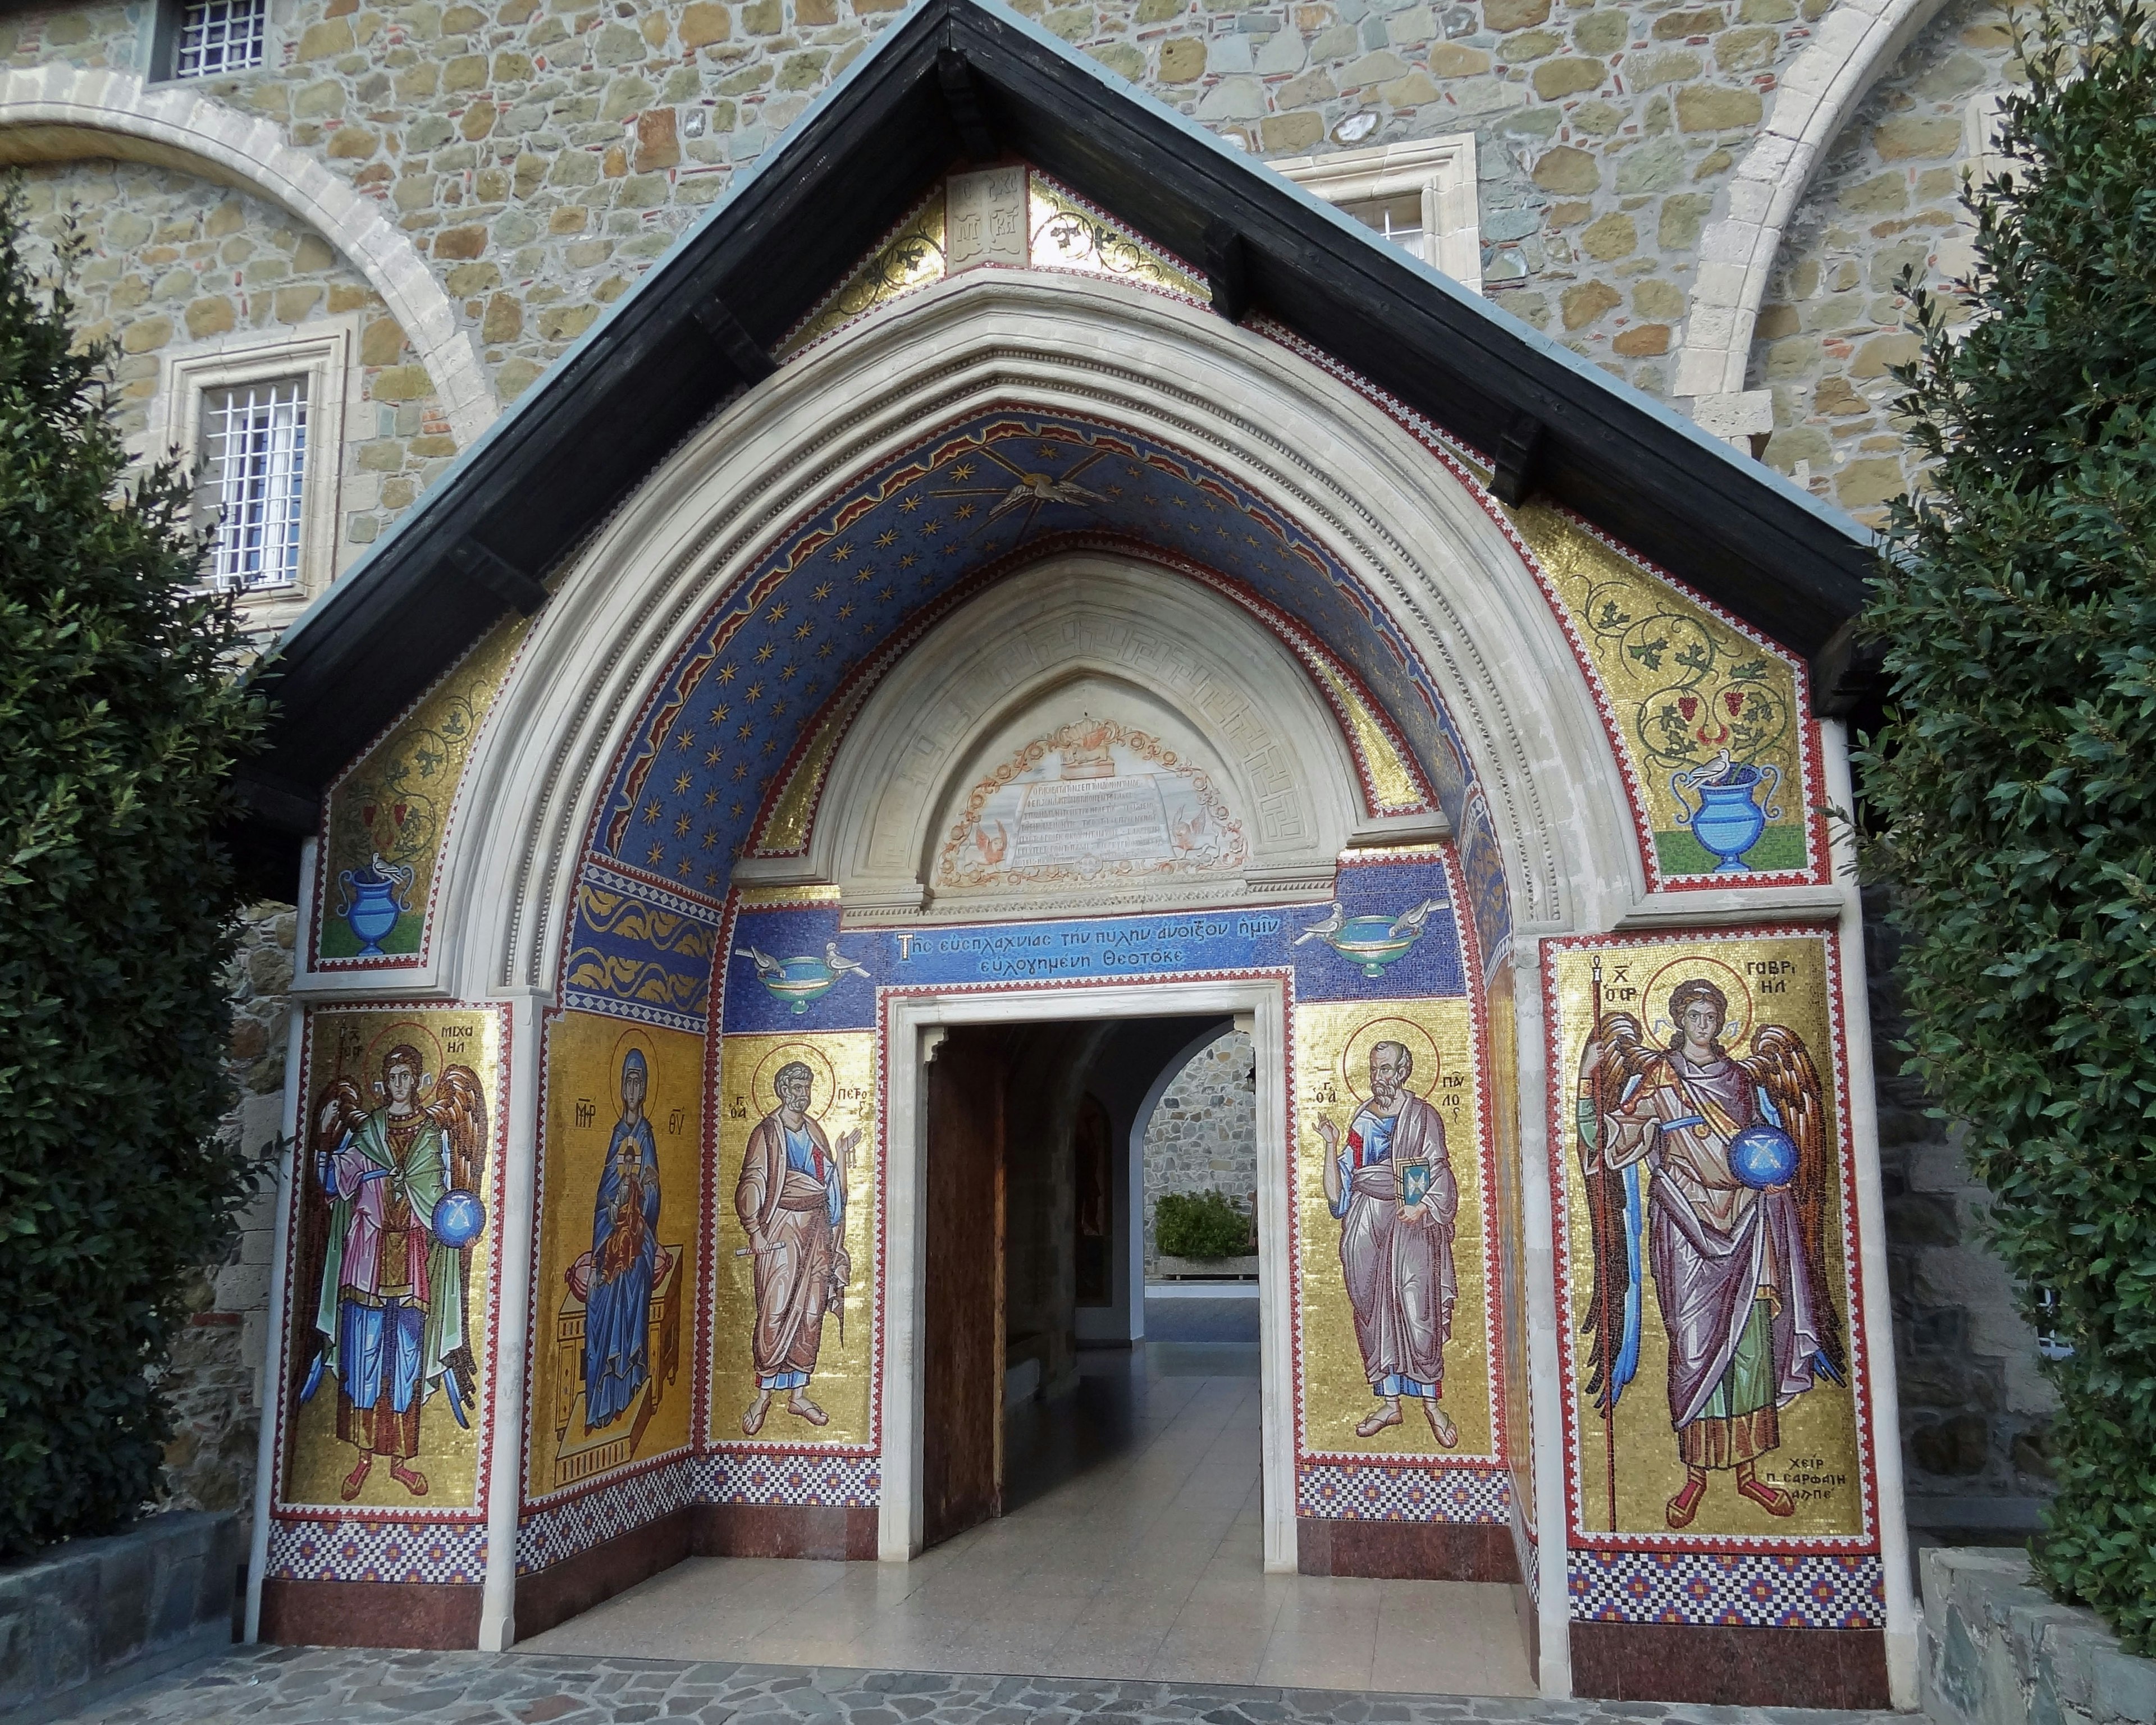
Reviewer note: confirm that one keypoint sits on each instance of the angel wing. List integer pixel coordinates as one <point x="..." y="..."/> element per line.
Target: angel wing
<point x="1782" y="1073"/>
<point x="1616" y="1213"/>
<point x="458" y="1107"/>
<point x="340" y="1109"/>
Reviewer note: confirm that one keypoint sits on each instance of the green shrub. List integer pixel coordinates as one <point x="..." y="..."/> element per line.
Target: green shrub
<point x="2014" y="784"/>
<point x="119" y="722"/>
<point x="1202" y="1224"/>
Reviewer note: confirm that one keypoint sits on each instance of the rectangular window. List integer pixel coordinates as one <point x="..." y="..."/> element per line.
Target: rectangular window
<point x="1399" y="218"/>
<point x="254" y="482"/>
<point x="217" y="36"/>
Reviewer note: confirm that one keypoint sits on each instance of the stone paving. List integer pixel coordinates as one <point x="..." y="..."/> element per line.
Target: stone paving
<point x="313" y="1685"/>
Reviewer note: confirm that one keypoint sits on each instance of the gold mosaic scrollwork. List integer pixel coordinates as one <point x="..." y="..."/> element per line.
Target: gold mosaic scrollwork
<point x="394" y="803"/>
<point x="911" y="258"/>
<point x="1065" y="234"/>
<point x="1695" y="700"/>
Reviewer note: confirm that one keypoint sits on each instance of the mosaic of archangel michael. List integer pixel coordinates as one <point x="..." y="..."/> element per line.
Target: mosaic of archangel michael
<point x="1094" y="799"/>
<point x="1706" y="1163"/>
<point x="392" y="1212"/>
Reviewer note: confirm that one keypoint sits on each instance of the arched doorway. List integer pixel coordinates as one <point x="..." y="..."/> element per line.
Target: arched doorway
<point x="1040" y="649"/>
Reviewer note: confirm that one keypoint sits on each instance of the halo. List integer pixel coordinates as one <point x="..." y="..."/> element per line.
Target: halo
<point x="1422" y="1050"/>
<point x="1661" y="1027"/>
<point x="636" y="1037"/>
<point x="761" y="1093"/>
<point x="409" y="1031"/>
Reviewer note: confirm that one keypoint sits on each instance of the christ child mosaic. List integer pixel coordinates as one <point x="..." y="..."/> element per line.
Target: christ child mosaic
<point x="392" y="1255"/>
<point x="1391" y="1224"/>
<point x="797" y="1232"/>
<point x="621" y="1216"/>
<point x="1705" y="1203"/>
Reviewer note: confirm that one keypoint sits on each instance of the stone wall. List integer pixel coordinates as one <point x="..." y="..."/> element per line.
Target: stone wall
<point x="1994" y="1650"/>
<point x="1204" y="1135"/>
<point x="170" y="262"/>
<point x="542" y="153"/>
<point x="215" y="1378"/>
<point x="1887" y="199"/>
<point x="1975" y="1402"/>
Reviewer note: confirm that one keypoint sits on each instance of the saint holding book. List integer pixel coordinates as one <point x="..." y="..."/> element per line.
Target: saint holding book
<point x="1390" y="1184"/>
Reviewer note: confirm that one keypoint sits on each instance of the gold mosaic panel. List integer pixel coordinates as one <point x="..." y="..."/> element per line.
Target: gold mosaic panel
<point x="1701" y="709"/>
<point x="911" y="258"/>
<point x="352" y="1103"/>
<point x="390" y="812"/>
<point x="842" y="1103"/>
<point x="1332" y="1044"/>
<point x="1777" y="987"/>
<point x="589" y="1118"/>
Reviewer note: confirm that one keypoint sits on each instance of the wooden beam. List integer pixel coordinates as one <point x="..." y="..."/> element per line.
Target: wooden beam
<point x="969" y="114"/>
<point x="1228" y="271"/>
<point x="1516" y="455"/>
<point x="497" y="575"/>
<point x="731" y="336"/>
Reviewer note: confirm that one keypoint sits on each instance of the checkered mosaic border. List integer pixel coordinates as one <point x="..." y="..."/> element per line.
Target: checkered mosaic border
<point x="547" y="1536"/>
<point x="1350" y="1491"/>
<point x="1780" y="1590"/>
<point x="309" y="1550"/>
<point x="828" y="1481"/>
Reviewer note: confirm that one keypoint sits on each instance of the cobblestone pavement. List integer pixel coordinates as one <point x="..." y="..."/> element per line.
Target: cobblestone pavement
<point x="314" y="1686"/>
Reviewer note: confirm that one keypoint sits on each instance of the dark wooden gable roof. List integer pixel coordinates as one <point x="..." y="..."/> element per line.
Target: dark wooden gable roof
<point x="960" y="79"/>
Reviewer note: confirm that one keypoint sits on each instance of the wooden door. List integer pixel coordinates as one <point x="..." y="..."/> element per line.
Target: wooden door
<point x="962" y="1346"/>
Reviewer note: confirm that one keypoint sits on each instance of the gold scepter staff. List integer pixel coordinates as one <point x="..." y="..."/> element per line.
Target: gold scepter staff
<point x="1601" y="1319"/>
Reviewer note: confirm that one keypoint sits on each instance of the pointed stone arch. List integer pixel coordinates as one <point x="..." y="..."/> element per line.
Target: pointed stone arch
<point x="60" y="112"/>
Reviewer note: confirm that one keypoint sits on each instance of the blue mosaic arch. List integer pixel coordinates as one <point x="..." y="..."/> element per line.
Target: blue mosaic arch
<point x="899" y="545"/>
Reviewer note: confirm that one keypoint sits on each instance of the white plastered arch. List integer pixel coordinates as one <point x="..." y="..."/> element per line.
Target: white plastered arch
<point x="1854" y="45"/>
<point x="1080" y="621"/>
<point x="59" y="112"/>
<point x="1302" y="441"/>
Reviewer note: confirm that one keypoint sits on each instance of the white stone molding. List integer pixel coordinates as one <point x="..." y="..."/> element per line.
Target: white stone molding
<point x="1440" y="171"/>
<point x="1114" y="638"/>
<point x="1422" y="542"/>
<point x="59" y="112"/>
<point x="1855" y="44"/>
<point x="324" y="350"/>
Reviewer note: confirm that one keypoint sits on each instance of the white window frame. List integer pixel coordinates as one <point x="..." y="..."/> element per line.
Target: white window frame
<point x="324" y="352"/>
<point x="1441" y="169"/>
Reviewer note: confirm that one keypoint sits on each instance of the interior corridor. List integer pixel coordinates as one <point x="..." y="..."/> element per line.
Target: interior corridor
<point x="1130" y="1547"/>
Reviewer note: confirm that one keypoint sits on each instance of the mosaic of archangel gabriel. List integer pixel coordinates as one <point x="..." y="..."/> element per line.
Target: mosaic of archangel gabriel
<point x="1093" y="800"/>
<point x="388" y="1229"/>
<point x="1722" y="1167"/>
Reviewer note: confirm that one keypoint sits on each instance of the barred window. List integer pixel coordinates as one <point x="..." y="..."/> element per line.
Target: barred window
<point x="1399" y="218"/>
<point x="254" y="463"/>
<point x="218" y="36"/>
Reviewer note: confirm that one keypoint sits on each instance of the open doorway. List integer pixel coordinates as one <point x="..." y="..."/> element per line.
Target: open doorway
<point x="1036" y="1358"/>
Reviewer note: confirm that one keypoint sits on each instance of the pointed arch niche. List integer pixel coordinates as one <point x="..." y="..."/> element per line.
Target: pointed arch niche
<point x="1101" y="733"/>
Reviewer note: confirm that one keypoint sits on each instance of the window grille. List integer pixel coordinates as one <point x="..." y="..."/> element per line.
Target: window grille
<point x="218" y="36"/>
<point x="254" y="456"/>
<point x="1399" y="218"/>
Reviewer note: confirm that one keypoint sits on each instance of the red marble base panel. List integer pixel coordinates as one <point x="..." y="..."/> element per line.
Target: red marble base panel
<point x="369" y="1614"/>
<point x="1723" y="1665"/>
<point x="783" y="1530"/>
<point x="1405" y="1551"/>
<point x="554" y="1595"/>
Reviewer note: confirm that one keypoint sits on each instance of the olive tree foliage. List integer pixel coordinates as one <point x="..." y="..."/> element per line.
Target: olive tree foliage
<point x="120" y="722"/>
<point x="2014" y="787"/>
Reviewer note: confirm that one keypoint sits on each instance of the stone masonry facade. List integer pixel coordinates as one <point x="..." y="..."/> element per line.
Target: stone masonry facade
<point x="1203" y="1134"/>
<point x="532" y="157"/>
